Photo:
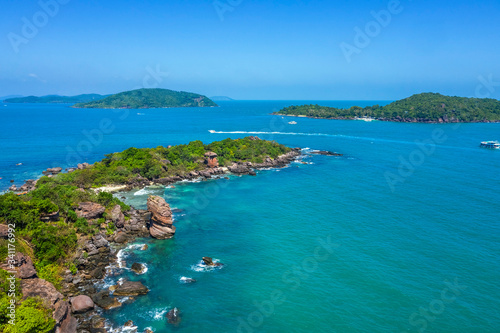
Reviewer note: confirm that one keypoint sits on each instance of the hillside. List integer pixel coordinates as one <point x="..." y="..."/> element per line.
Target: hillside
<point x="149" y="98"/>
<point x="56" y="99"/>
<point x="425" y="108"/>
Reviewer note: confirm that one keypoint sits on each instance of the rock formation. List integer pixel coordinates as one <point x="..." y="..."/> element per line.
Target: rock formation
<point x="161" y="224"/>
<point x="117" y="216"/>
<point x="90" y="210"/>
<point x="211" y="159"/>
<point x="131" y="288"/>
<point x="174" y="317"/>
<point x="81" y="304"/>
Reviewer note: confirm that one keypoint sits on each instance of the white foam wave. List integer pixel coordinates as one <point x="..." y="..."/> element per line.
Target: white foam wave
<point x="143" y="191"/>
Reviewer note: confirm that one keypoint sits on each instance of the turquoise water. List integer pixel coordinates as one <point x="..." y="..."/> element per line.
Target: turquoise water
<point x="391" y="237"/>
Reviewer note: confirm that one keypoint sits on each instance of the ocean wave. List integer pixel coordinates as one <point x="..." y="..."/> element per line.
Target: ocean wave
<point x="143" y="191"/>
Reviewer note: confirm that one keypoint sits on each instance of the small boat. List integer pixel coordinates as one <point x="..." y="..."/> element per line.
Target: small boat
<point x="365" y="119"/>
<point x="490" y="144"/>
<point x="211" y="131"/>
<point x="292" y="122"/>
<point x="19" y="164"/>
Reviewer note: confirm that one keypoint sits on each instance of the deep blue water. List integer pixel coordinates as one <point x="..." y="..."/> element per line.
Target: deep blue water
<point x="393" y="237"/>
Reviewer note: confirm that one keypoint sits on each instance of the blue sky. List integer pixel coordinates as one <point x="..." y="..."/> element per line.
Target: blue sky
<point x="251" y="49"/>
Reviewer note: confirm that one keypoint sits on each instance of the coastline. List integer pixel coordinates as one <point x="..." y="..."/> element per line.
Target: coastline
<point x="413" y="121"/>
<point x="96" y="256"/>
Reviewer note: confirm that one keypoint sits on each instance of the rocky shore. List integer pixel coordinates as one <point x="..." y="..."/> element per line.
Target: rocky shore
<point x="75" y="305"/>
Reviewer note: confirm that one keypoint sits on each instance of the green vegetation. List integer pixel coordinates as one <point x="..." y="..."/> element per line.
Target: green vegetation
<point x="427" y="107"/>
<point x="149" y="98"/>
<point x="54" y="242"/>
<point x="56" y="99"/>
<point x="31" y="315"/>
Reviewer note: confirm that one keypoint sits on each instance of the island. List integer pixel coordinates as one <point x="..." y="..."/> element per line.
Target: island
<point x="56" y="99"/>
<point x="221" y="98"/>
<point x="56" y="232"/>
<point x="148" y="99"/>
<point x="420" y="108"/>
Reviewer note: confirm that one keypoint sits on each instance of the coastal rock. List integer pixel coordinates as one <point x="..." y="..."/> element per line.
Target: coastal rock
<point x="138" y="268"/>
<point x="252" y="173"/>
<point x="40" y="288"/>
<point x="24" y="266"/>
<point x="211" y="159"/>
<point x="90" y="210"/>
<point x="239" y="169"/>
<point x="52" y="171"/>
<point x="326" y="153"/>
<point x="161" y="224"/>
<point x="83" y="166"/>
<point x="105" y="301"/>
<point x="209" y="262"/>
<point x="187" y="280"/>
<point x="253" y="138"/>
<point x="144" y="247"/>
<point x="81" y="304"/>
<point x="28" y="186"/>
<point x="174" y="317"/>
<point x="117" y="216"/>
<point x="121" y="237"/>
<point x="13" y="188"/>
<point x="131" y="288"/>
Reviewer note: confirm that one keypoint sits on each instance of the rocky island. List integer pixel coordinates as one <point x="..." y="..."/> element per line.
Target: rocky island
<point x="420" y="108"/>
<point x="148" y="99"/>
<point x="65" y="223"/>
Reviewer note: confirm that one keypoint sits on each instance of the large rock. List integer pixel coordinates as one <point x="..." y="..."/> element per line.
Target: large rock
<point x="90" y="210"/>
<point x="81" y="304"/>
<point x="211" y="159"/>
<point x="138" y="268"/>
<point x="131" y="288"/>
<point x="43" y="289"/>
<point x="161" y="224"/>
<point x="24" y="266"/>
<point x="105" y="301"/>
<point x="209" y="262"/>
<point x="117" y="216"/>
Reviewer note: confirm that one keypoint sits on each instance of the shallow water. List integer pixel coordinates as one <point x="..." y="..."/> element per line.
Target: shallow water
<point x="392" y="237"/>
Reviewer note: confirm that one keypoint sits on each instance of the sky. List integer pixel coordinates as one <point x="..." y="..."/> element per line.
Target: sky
<point x="252" y="50"/>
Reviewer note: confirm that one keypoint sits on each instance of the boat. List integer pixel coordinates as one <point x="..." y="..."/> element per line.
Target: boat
<point x="292" y="122"/>
<point x="365" y="119"/>
<point x="211" y="131"/>
<point x="490" y="144"/>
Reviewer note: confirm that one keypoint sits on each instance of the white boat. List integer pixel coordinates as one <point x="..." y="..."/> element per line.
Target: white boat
<point x="490" y="144"/>
<point x="292" y="122"/>
<point x="365" y="119"/>
<point x="211" y="131"/>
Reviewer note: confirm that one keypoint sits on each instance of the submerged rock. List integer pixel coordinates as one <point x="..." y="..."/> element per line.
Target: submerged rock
<point x="174" y="317"/>
<point x="326" y="153"/>
<point x="105" y="301"/>
<point x="138" y="268"/>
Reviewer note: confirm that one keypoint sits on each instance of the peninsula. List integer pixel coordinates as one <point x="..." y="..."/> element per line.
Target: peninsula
<point x="420" y="108"/>
<point x="148" y="99"/>
<point x="64" y="224"/>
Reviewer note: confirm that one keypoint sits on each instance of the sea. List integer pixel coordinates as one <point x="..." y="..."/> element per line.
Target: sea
<point x="400" y="234"/>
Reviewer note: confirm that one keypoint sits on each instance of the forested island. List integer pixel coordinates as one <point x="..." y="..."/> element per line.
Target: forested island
<point x="424" y="108"/>
<point x="63" y="227"/>
<point x="56" y="99"/>
<point x="149" y="98"/>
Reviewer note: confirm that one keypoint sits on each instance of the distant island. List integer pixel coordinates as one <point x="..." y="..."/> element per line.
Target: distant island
<point x="419" y="108"/>
<point x="148" y="99"/>
<point x="221" y="98"/>
<point x="56" y="99"/>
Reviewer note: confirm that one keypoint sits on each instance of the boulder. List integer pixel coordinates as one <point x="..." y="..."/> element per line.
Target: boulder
<point x="117" y="216"/>
<point x="90" y="210"/>
<point x="161" y="224"/>
<point x="144" y="247"/>
<point x="211" y="159"/>
<point x="40" y="288"/>
<point x="326" y="153"/>
<point x="121" y="237"/>
<point x="209" y="262"/>
<point x="131" y="288"/>
<point x="174" y="317"/>
<point x="81" y="304"/>
<point x="239" y="169"/>
<point x="24" y="266"/>
<point x="105" y="301"/>
<point x="138" y="268"/>
<point x="83" y="166"/>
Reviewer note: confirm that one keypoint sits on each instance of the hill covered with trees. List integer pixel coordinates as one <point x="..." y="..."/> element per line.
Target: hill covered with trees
<point x="149" y="98"/>
<point x="425" y="108"/>
<point x="56" y="99"/>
